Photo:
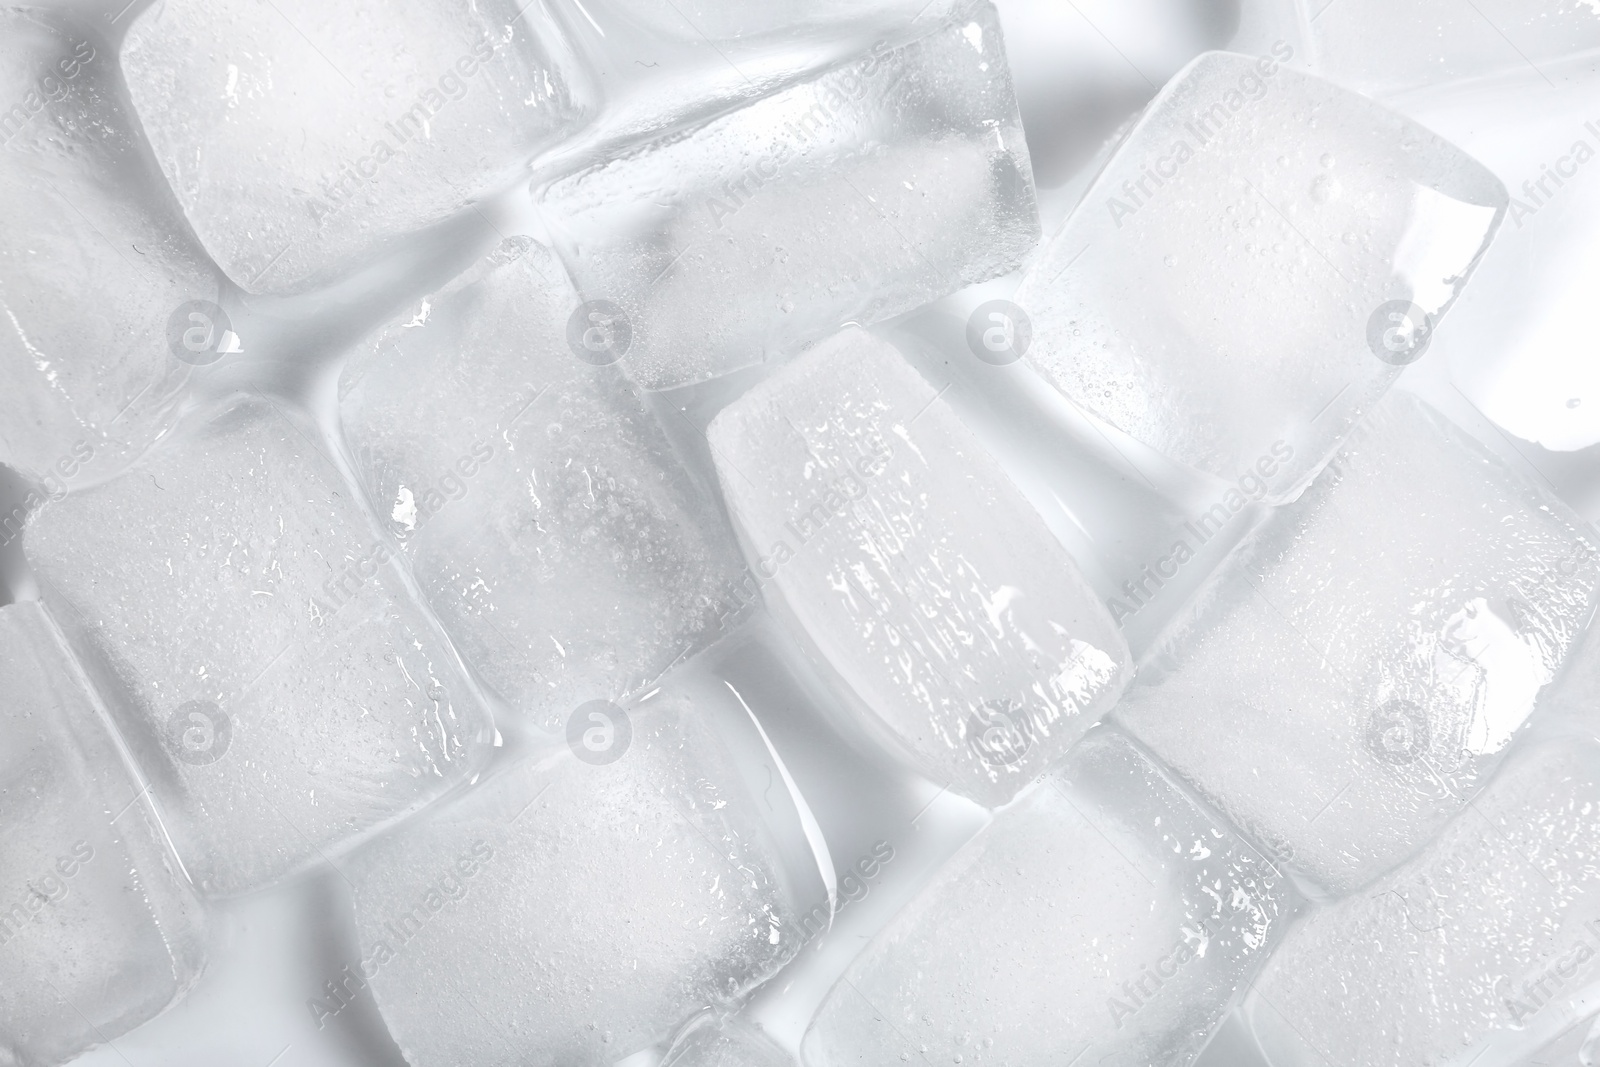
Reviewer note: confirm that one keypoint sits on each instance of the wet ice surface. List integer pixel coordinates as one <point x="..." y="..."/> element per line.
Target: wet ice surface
<point x="261" y="654"/>
<point x="563" y="546"/>
<point x="299" y="136"/>
<point x="921" y="575"/>
<point x="98" y="930"/>
<point x="555" y="524"/>
<point x="1353" y="674"/>
<point x="569" y="912"/>
<point x="1255" y="211"/>
<point x="1474" y="952"/>
<point x="853" y="196"/>
<point x="87" y="382"/>
<point x="1103" y="919"/>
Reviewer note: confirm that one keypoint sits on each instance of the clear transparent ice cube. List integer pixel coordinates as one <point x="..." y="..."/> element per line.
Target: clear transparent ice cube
<point x="1353" y="674"/>
<point x="1254" y="266"/>
<point x="99" y="931"/>
<point x="575" y="910"/>
<point x="1104" y="918"/>
<point x="853" y="195"/>
<point x="257" y="646"/>
<point x="1476" y="951"/>
<point x="564" y="549"/>
<point x="899" y="548"/>
<point x="300" y="137"/>
<point x="95" y="261"/>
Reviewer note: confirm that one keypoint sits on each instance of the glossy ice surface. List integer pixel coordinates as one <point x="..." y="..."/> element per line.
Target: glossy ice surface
<point x="272" y="676"/>
<point x="905" y="555"/>
<point x="1255" y="264"/>
<point x="299" y="136"/>
<point x="98" y="930"/>
<point x="1105" y="918"/>
<point x="1476" y="951"/>
<point x="95" y="260"/>
<point x="1354" y="674"/>
<point x="567" y="912"/>
<point x="547" y="521"/>
<point x="855" y="195"/>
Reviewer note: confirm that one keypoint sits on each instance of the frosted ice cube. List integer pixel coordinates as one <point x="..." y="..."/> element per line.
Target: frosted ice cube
<point x="919" y="572"/>
<point x="567" y="912"/>
<point x="98" y="931"/>
<point x="257" y="646"/>
<point x="1477" y="951"/>
<point x="1383" y="46"/>
<point x="1105" y="919"/>
<point x="95" y="259"/>
<point x="726" y="1043"/>
<point x="567" y="554"/>
<point x="1252" y="269"/>
<point x="1352" y="675"/>
<point x="852" y="196"/>
<point x="299" y="136"/>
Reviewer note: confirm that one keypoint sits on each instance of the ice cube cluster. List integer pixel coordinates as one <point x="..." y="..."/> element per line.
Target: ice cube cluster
<point x="609" y="521"/>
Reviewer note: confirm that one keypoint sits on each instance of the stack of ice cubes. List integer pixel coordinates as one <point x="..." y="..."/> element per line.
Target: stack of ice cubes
<point x="579" y="385"/>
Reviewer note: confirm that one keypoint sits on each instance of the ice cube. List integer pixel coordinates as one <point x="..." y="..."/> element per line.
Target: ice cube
<point x="901" y="550"/>
<point x="1104" y="919"/>
<point x="1352" y="675"/>
<point x="98" y="930"/>
<point x="726" y="1043"/>
<point x="1476" y="951"/>
<point x="1253" y="268"/>
<point x="257" y="645"/>
<point x="95" y="263"/>
<point x="299" y="137"/>
<point x="569" y="911"/>
<point x="567" y="554"/>
<point x="855" y="195"/>
<point x="1515" y="341"/>
<point x="1386" y="46"/>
